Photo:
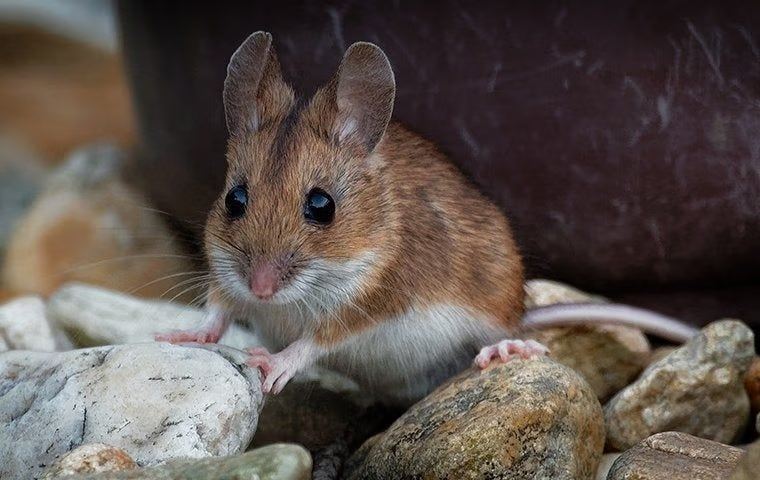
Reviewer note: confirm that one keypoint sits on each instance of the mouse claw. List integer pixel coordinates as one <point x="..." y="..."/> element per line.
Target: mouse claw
<point x="259" y="358"/>
<point x="507" y="349"/>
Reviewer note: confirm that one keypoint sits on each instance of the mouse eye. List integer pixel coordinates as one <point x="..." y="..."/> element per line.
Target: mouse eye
<point x="236" y="201"/>
<point x="319" y="207"/>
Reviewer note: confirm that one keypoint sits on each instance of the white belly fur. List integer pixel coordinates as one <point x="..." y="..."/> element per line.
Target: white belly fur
<point x="400" y="359"/>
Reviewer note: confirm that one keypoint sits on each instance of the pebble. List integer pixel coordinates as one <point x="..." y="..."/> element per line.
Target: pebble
<point x="90" y="458"/>
<point x="676" y="456"/>
<point x="522" y="419"/>
<point x="696" y="389"/>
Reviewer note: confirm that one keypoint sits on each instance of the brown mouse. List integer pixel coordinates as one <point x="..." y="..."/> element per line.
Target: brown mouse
<point x="346" y="240"/>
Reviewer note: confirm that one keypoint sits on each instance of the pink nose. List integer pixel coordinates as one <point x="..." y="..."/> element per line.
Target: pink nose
<point x="265" y="280"/>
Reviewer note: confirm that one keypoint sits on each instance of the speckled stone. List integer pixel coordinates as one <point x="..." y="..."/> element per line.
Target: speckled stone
<point x="676" y="456"/>
<point x="522" y="419"/>
<point x="273" y="462"/>
<point x="609" y="357"/>
<point x="90" y="458"/>
<point x="697" y="389"/>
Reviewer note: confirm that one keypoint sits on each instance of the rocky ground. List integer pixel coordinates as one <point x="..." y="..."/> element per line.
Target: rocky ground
<point x="153" y="411"/>
<point x="86" y="393"/>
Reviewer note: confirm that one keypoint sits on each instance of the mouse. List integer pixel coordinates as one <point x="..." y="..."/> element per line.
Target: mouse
<point x="346" y="240"/>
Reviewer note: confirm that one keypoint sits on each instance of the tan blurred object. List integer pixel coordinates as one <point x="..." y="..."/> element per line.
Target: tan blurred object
<point x="752" y="384"/>
<point x="57" y="94"/>
<point x="88" y="226"/>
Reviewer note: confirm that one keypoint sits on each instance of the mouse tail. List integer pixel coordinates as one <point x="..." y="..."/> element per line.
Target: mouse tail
<point x="569" y="314"/>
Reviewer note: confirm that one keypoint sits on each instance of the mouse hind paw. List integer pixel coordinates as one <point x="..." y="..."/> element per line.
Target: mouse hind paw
<point x="509" y="349"/>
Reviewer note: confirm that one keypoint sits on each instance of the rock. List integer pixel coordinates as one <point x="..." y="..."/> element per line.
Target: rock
<point x="273" y="462"/>
<point x="675" y="456"/>
<point x="24" y="326"/>
<point x="749" y="464"/>
<point x="540" y="293"/>
<point x="95" y="316"/>
<point x="609" y="357"/>
<point x="90" y="458"/>
<point x="605" y="465"/>
<point x="696" y="389"/>
<point x="155" y="401"/>
<point x="89" y="226"/>
<point x="522" y="419"/>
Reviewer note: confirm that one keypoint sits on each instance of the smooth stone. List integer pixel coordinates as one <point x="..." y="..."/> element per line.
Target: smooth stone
<point x="273" y="462"/>
<point x="676" y="456"/>
<point x="155" y="401"/>
<point x="24" y="326"/>
<point x="90" y="458"/>
<point x="749" y="464"/>
<point x="94" y="316"/>
<point x="88" y="225"/>
<point x="697" y="389"/>
<point x="522" y="419"/>
<point x="540" y="292"/>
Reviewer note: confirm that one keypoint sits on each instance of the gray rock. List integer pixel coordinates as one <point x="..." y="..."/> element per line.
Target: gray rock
<point x="24" y="326"/>
<point x="95" y="316"/>
<point x="675" y="456"/>
<point x="273" y="462"/>
<point x="522" y="419"/>
<point x="20" y="182"/>
<point x="155" y="401"/>
<point x="697" y="389"/>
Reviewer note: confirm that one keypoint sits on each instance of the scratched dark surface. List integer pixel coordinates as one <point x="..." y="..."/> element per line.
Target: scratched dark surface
<point x="622" y="138"/>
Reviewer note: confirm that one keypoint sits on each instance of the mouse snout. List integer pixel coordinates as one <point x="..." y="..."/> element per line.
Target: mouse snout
<point x="265" y="280"/>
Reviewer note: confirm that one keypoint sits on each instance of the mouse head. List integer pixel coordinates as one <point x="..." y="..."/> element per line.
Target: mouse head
<point x="305" y="206"/>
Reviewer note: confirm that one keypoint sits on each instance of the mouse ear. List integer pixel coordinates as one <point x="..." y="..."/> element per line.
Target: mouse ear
<point x="253" y="76"/>
<point x="364" y="92"/>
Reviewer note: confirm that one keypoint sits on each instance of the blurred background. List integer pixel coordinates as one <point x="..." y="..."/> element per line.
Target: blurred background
<point x="620" y="137"/>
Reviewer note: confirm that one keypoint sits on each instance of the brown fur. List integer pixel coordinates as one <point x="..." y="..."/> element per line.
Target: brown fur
<point x="438" y="239"/>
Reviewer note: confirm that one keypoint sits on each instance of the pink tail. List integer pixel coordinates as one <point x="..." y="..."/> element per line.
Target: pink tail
<point x="567" y="314"/>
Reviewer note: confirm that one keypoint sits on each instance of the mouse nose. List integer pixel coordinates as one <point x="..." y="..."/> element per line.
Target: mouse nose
<point x="265" y="280"/>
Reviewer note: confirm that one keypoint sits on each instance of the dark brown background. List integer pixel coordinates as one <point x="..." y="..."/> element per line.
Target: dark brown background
<point x="622" y="138"/>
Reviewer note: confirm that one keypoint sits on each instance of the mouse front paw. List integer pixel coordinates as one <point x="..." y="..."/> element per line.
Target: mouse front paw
<point x="508" y="349"/>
